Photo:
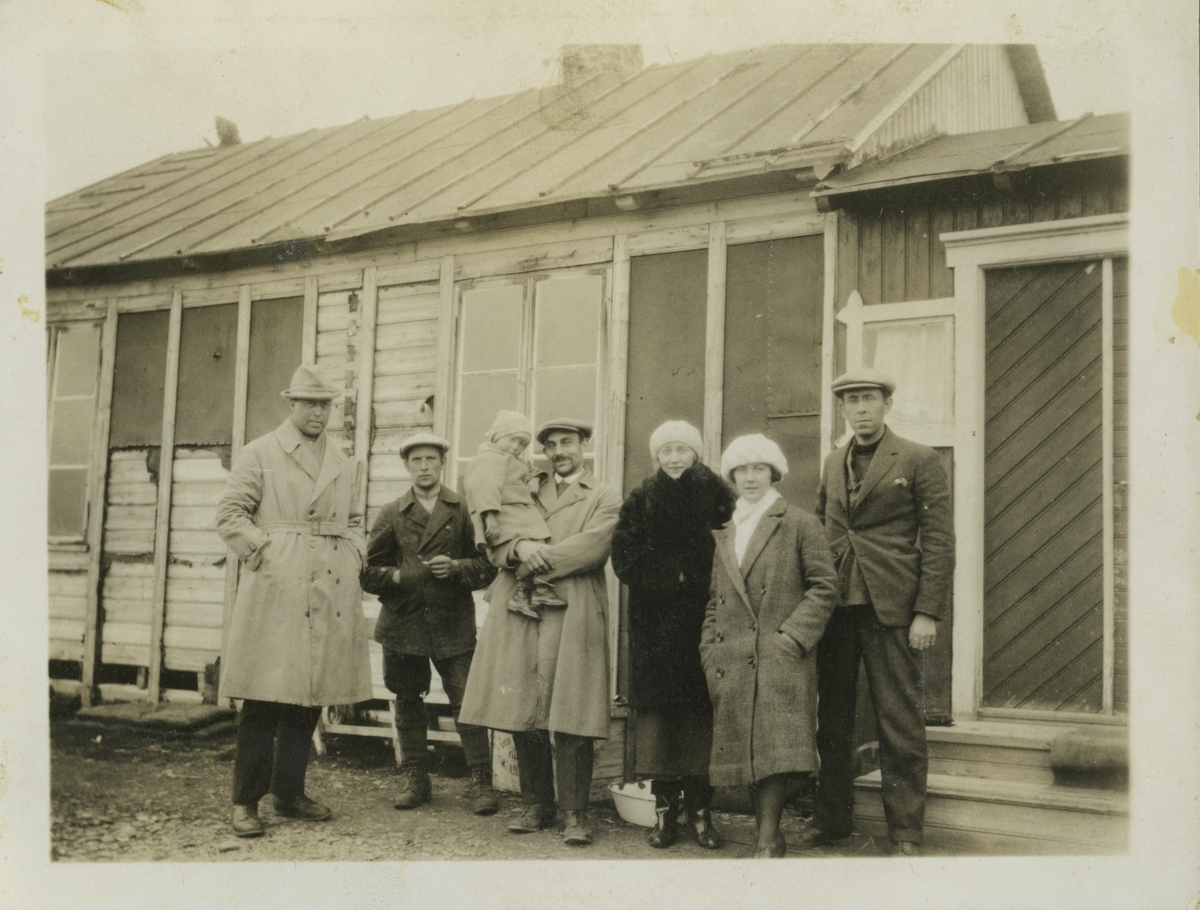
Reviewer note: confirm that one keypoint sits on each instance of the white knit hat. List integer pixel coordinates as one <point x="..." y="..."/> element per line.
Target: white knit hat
<point x="753" y="449"/>
<point x="509" y="422"/>
<point x="676" y="431"/>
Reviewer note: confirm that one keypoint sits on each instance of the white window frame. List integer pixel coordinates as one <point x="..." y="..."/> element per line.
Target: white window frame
<point x="71" y="541"/>
<point x="970" y="254"/>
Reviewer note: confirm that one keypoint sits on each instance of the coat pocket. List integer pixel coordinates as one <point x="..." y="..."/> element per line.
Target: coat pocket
<point x="788" y="645"/>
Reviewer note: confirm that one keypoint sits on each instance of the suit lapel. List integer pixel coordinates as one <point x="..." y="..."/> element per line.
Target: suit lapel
<point x="437" y="520"/>
<point x="725" y="548"/>
<point x="766" y="527"/>
<point x="840" y="491"/>
<point x="552" y="502"/>
<point x="331" y="466"/>
<point x="885" y="456"/>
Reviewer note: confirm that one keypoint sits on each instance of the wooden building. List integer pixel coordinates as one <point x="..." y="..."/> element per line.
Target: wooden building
<point x="710" y="240"/>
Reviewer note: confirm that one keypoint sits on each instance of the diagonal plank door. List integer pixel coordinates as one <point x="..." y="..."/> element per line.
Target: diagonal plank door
<point x="1043" y="503"/>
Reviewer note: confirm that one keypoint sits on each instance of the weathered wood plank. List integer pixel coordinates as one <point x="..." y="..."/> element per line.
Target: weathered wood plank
<point x="893" y="255"/>
<point x="916" y="252"/>
<point x="870" y="265"/>
<point x="941" y="276"/>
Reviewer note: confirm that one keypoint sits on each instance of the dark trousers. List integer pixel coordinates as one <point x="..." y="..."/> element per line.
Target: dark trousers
<point x="536" y="762"/>
<point x="407" y="676"/>
<point x="272" y="750"/>
<point x="894" y="679"/>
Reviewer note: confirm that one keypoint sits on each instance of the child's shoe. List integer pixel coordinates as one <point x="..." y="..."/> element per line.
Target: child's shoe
<point x="520" y="602"/>
<point x="544" y="595"/>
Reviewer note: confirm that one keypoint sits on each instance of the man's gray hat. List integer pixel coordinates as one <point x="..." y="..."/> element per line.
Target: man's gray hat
<point x="423" y="439"/>
<point x="310" y="384"/>
<point x="569" y="424"/>
<point x="863" y="378"/>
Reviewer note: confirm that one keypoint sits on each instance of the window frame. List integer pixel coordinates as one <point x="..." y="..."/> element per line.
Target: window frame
<point x="53" y="361"/>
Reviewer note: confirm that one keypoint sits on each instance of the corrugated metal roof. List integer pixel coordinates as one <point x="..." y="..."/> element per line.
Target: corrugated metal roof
<point x="1036" y="145"/>
<point x="779" y="107"/>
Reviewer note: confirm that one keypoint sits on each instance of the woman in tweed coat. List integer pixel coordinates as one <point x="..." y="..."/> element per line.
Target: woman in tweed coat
<point x="773" y="589"/>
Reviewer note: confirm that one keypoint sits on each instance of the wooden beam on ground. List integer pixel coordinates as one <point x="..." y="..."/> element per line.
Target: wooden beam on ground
<point x="444" y="364"/>
<point x="162" y="520"/>
<point x="714" y="346"/>
<point x="97" y="474"/>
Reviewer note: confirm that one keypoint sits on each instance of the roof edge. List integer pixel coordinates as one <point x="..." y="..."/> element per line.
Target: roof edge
<point x="1031" y="82"/>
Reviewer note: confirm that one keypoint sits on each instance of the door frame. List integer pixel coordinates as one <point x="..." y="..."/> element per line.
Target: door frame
<point x="969" y="254"/>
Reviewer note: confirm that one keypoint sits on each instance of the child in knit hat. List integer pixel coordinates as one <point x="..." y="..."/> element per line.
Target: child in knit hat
<point x="502" y="508"/>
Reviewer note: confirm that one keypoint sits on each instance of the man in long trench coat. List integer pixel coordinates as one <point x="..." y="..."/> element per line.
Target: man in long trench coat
<point x="537" y="677"/>
<point x="297" y="637"/>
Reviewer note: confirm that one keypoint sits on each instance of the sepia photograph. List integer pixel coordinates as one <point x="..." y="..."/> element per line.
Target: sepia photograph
<point x="479" y="440"/>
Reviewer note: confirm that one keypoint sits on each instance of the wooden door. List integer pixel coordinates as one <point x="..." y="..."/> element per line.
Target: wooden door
<point x="1043" y="490"/>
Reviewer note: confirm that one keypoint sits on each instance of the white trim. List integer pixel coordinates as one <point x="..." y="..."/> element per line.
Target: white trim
<point x="828" y="314"/>
<point x="714" y="345"/>
<point x="1107" y="472"/>
<point x="1045" y="241"/>
<point x="969" y="253"/>
<point x="913" y="309"/>
<point x="759" y="228"/>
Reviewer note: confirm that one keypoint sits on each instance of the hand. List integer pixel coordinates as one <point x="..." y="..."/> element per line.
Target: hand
<point x="922" y="633"/>
<point x="442" y="566"/>
<point x="254" y="560"/>
<point x="491" y="527"/>
<point x="534" y="556"/>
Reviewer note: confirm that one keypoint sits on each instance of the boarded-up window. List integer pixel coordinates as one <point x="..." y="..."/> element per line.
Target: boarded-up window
<point x="139" y="376"/>
<point x="276" y="337"/>
<point x="207" y="354"/>
<point x="529" y="346"/>
<point x="667" y="306"/>
<point x="774" y="303"/>
<point x="72" y="410"/>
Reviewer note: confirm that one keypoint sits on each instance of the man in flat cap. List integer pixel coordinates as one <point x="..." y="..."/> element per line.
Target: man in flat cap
<point x="550" y="676"/>
<point x="423" y="564"/>
<point x="886" y="508"/>
<point x="297" y="637"/>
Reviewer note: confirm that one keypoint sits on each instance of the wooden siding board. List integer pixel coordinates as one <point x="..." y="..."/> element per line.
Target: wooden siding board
<point x="916" y="253"/>
<point x="870" y="265"/>
<point x="893" y="255"/>
<point x="941" y="276"/>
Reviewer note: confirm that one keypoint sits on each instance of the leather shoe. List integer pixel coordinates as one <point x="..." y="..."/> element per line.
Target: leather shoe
<point x="575" y="832"/>
<point x="534" y="818"/>
<point x="908" y="848"/>
<point x="702" y="826"/>
<point x="815" y="837"/>
<point x="302" y="807"/>
<point x="775" y="850"/>
<point x="245" y="821"/>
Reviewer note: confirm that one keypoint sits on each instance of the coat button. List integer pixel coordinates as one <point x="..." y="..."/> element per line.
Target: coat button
<point x="849" y="532"/>
<point x="751" y="661"/>
<point x="719" y="674"/>
<point x="720" y="636"/>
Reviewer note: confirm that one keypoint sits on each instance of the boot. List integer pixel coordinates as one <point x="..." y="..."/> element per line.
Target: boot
<point x="417" y="787"/>
<point x="666" y="811"/>
<point x="480" y="792"/>
<point x="544" y="595"/>
<point x="575" y="831"/>
<point x="245" y="820"/>
<point x="697" y="799"/>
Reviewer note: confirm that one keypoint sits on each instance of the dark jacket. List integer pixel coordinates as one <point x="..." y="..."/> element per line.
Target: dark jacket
<point x="424" y="615"/>
<point x="663" y="550"/>
<point x="903" y="495"/>
<point x="764" y="684"/>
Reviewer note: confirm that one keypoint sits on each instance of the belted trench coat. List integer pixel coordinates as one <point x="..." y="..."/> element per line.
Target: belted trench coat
<point x="552" y="674"/>
<point x="297" y="634"/>
<point x="763" y="685"/>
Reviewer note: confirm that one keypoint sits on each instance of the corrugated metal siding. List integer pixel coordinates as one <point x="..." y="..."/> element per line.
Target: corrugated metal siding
<point x="196" y="572"/>
<point x="590" y="139"/>
<point x="975" y="91"/>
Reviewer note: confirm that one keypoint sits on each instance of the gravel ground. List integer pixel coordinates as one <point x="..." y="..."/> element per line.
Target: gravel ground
<point x="126" y="794"/>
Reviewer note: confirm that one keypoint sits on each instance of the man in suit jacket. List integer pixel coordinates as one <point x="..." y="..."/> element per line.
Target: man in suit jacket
<point x="423" y="564"/>
<point x="885" y="504"/>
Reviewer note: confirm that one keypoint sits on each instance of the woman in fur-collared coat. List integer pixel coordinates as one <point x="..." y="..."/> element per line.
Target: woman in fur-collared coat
<point x="662" y="550"/>
<point x="773" y="590"/>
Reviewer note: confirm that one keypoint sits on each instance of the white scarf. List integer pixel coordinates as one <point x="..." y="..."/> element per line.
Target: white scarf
<point x="746" y="516"/>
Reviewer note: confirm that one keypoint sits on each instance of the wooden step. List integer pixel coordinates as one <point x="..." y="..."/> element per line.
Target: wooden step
<point x="971" y="815"/>
<point x="998" y="750"/>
